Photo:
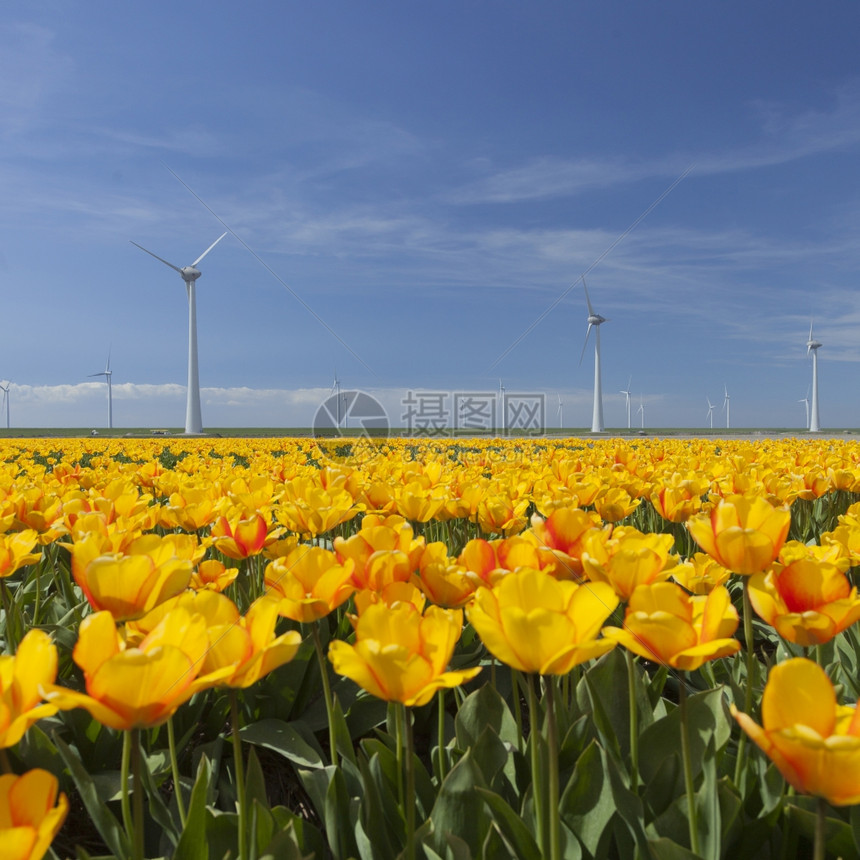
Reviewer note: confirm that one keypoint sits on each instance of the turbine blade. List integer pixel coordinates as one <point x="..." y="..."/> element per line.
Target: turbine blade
<point x="208" y="249"/>
<point x="587" y="299"/>
<point x="810" y="329"/>
<point x="585" y="344"/>
<point x="175" y="268"/>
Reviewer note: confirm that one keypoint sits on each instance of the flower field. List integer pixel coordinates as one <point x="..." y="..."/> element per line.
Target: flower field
<point x="296" y="648"/>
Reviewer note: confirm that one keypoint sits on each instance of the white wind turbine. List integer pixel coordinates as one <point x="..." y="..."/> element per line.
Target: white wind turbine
<point x="502" y="406"/>
<point x="805" y="401"/>
<point x="711" y="408"/>
<point x="189" y="274"/>
<point x="813" y="346"/>
<point x="626" y="393"/>
<point x="727" y="407"/>
<point x="594" y="321"/>
<point x="560" y="413"/>
<point x="106" y="373"/>
<point x="641" y="411"/>
<point x="5" y="390"/>
<point x="335" y="389"/>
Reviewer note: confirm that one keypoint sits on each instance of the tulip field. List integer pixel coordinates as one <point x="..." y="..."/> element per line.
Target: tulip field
<point x="429" y="648"/>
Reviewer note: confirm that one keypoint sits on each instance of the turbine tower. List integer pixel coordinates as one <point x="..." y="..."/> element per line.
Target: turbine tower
<point x="813" y="346"/>
<point x="728" y="408"/>
<point x="335" y="389"/>
<point x="560" y="413"/>
<point x="106" y="373"/>
<point x="502" y="407"/>
<point x="711" y="408"/>
<point x="626" y="393"/>
<point x="805" y="401"/>
<point x="190" y="274"/>
<point x="641" y="411"/>
<point x="594" y="321"/>
<point x="5" y="390"/>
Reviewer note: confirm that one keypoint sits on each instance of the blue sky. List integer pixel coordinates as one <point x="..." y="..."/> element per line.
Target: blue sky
<point x="427" y="179"/>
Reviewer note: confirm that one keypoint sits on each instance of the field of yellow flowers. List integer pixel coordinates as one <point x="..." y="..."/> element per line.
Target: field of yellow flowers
<point x="451" y="649"/>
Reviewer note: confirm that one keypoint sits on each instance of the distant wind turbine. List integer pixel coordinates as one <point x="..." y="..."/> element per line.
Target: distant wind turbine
<point x="812" y="345"/>
<point x="190" y="274"/>
<point x="335" y="389"/>
<point x="711" y="408"/>
<point x="106" y="373"/>
<point x="502" y="406"/>
<point x="5" y="390"/>
<point x="560" y="413"/>
<point x="805" y="401"/>
<point x="728" y="408"/>
<point x="641" y="411"/>
<point x="594" y="322"/>
<point x="626" y="393"/>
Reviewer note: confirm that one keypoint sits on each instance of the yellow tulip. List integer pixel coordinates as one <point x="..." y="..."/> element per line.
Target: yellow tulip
<point x="814" y="741"/>
<point x="213" y="575"/>
<point x="564" y="532"/>
<point x="665" y="624"/>
<point x="536" y="623"/>
<point x="744" y="534"/>
<point x="445" y="582"/>
<point x="239" y="538"/>
<point x="15" y="551"/>
<point x="309" y="583"/>
<point x="625" y="558"/>
<point x="400" y="655"/>
<point x="806" y="595"/>
<point x="700" y="574"/>
<point x="614" y="504"/>
<point x="31" y="814"/>
<point x="22" y="676"/>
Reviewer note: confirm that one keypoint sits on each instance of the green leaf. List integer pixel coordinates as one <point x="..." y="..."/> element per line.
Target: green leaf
<point x="838" y="833"/>
<point x="512" y="828"/>
<point x="108" y="827"/>
<point x="343" y="739"/>
<point x="627" y="804"/>
<point x="379" y="812"/>
<point x="192" y="843"/>
<point x="459" y="809"/>
<point x="339" y="816"/>
<point x="587" y="805"/>
<point x="483" y="709"/>
<point x="608" y="707"/>
<point x="666" y="849"/>
<point x="292" y="740"/>
<point x="255" y="782"/>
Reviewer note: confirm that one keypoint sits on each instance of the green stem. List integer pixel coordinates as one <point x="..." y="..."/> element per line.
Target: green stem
<point x="329" y="709"/>
<point x="440" y="731"/>
<point x="692" y="816"/>
<point x="398" y="754"/>
<point x="126" y="794"/>
<point x="137" y="844"/>
<point x="410" y="784"/>
<point x="537" y="770"/>
<point x="748" y="693"/>
<point x="518" y="708"/>
<point x="240" y="770"/>
<point x="552" y="756"/>
<point x="634" y="722"/>
<point x="11" y="640"/>
<point x="174" y="766"/>
<point x="820" y="830"/>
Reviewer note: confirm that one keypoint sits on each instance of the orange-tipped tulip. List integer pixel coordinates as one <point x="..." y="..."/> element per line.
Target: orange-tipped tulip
<point x="814" y="741"/>
<point x="665" y="624"/>
<point x="536" y="623"/>
<point x="31" y="814"/>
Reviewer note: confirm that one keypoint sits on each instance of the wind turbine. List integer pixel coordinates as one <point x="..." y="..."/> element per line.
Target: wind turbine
<point x="805" y="400"/>
<point x="335" y="389"/>
<point x="641" y="411"/>
<point x="560" y="413"/>
<point x="106" y="373"/>
<point x="594" y="321"/>
<point x="813" y="346"/>
<point x="502" y="406"/>
<point x="711" y="408"/>
<point x="626" y="393"/>
<point x="5" y="390"/>
<point x="189" y="274"/>
<point x="727" y="407"/>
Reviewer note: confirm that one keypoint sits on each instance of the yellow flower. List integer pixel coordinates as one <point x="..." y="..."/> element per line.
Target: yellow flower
<point x="21" y="677"/>
<point x="625" y="558"/>
<point x="239" y="538"/>
<point x="665" y="624"/>
<point x="744" y="534"/>
<point x="615" y="503"/>
<point x="309" y="583"/>
<point x="29" y="818"/>
<point x="564" y="532"/>
<point x="309" y="509"/>
<point x="806" y="595"/>
<point x="445" y="582"/>
<point x="677" y="497"/>
<point x="138" y="687"/>
<point x="400" y="655"/>
<point x="15" y="551"/>
<point x="814" y="741"/>
<point x="213" y="575"/>
<point x="536" y="623"/>
<point x="700" y="574"/>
